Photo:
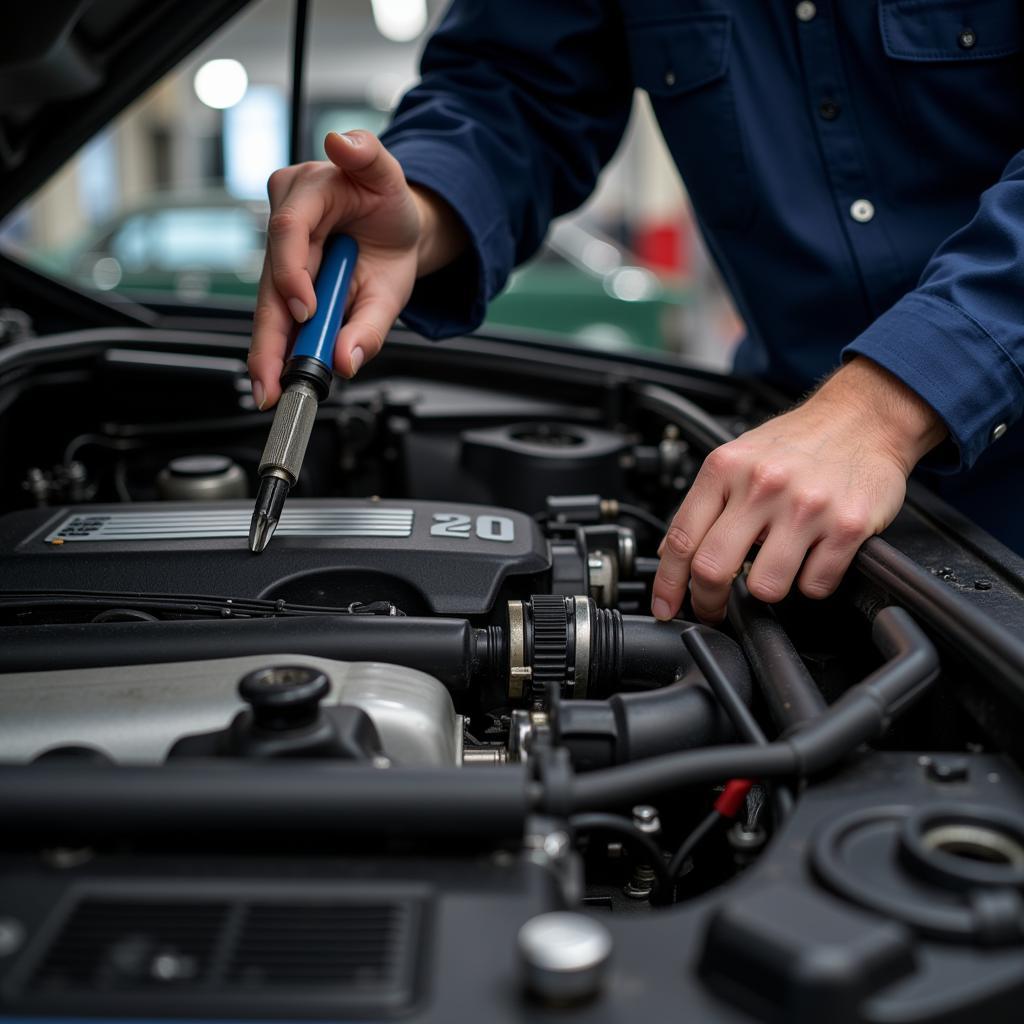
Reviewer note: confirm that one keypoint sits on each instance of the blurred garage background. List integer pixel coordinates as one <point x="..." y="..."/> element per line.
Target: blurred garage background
<point x="171" y="201"/>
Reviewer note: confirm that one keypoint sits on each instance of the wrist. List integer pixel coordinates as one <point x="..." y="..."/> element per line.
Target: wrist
<point x="884" y="408"/>
<point x="443" y="237"/>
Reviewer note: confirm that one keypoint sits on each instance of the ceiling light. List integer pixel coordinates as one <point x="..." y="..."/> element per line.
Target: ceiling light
<point x="221" y="83"/>
<point x="401" y="21"/>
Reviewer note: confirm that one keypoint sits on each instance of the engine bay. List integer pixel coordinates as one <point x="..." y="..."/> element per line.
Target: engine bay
<point x="442" y="681"/>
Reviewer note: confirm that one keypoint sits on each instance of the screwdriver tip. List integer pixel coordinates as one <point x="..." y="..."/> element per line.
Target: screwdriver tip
<point x="269" y="504"/>
<point x="261" y="529"/>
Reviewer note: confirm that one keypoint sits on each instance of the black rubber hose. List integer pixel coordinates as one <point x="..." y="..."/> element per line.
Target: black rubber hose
<point x="792" y="696"/>
<point x="678" y="711"/>
<point x="271" y="798"/>
<point x="653" y="653"/>
<point x="283" y="798"/>
<point x="697" y="426"/>
<point x="630" y="726"/>
<point x="861" y="714"/>
<point x="443" y="648"/>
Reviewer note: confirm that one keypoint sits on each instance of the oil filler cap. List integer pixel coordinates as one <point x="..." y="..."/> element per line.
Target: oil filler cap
<point x="284" y="696"/>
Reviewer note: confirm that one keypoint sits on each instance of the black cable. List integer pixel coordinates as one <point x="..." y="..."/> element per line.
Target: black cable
<point x="625" y="829"/>
<point x="738" y="712"/>
<point x="641" y="514"/>
<point x="298" y="69"/>
<point x="189" y="605"/>
<point x="690" y="843"/>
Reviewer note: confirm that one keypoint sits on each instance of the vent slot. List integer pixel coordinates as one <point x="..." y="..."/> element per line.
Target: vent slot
<point x="350" y="945"/>
<point x="295" y="952"/>
<point x="111" y="946"/>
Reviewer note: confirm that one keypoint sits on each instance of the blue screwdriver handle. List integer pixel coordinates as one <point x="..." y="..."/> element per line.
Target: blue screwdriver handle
<point x="317" y="335"/>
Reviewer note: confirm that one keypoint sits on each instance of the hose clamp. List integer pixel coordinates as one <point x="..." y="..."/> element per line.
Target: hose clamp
<point x="520" y="674"/>
<point x="581" y="664"/>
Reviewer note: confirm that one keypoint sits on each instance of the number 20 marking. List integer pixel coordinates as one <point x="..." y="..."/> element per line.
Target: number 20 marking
<point x="455" y="524"/>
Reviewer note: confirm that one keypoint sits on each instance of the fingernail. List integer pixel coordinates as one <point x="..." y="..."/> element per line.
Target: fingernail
<point x="660" y="609"/>
<point x="259" y="395"/>
<point x="352" y="140"/>
<point x="298" y="310"/>
<point x="358" y="355"/>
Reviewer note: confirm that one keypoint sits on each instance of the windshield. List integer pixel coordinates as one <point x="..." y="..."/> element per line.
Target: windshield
<point x="168" y="205"/>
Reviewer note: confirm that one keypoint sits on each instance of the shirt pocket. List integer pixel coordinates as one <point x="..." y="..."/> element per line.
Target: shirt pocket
<point x="957" y="80"/>
<point x="942" y="31"/>
<point x="682" y="63"/>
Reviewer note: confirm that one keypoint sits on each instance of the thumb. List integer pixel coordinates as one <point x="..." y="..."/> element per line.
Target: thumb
<point x="362" y="156"/>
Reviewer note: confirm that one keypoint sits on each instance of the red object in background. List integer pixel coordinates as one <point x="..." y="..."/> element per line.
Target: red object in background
<point x="664" y="246"/>
<point x="731" y="799"/>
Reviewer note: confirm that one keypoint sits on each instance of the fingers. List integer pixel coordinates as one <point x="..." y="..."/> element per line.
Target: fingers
<point x="831" y="557"/>
<point x="698" y="512"/>
<point x="718" y="559"/>
<point x="373" y="311"/>
<point x="802" y="521"/>
<point x="362" y="157"/>
<point x="272" y="324"/>
<point x="298" y="218"/>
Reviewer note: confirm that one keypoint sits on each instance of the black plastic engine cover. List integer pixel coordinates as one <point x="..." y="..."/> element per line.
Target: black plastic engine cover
<point x="439" y="557"/>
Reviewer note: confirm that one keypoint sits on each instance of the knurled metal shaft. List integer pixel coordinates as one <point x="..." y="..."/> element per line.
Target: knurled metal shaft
<point x="289" y="433"/>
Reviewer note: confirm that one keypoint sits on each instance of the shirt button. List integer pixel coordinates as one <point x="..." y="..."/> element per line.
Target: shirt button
<point x="997" y="431"/>
<point x="862" y="210"/>
<point x="805" y="10"/>
<point x="967" y="38"/>
<point x="670" y="78"/>
<point x="828" y="109"/>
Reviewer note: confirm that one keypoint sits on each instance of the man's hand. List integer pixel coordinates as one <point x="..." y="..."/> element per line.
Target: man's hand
<point x="403" y="232"/>
<point x="809" y="486"/>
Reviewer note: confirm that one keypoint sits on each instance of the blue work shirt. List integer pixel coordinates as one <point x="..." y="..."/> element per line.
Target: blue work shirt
<point x="854" y="165"/>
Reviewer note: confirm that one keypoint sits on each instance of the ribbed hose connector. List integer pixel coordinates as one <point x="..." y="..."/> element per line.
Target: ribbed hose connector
<point x="605" y="652"/>
<point x="290" y="431"/>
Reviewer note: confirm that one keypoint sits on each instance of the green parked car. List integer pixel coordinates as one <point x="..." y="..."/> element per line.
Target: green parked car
<point x="209" y="247"/>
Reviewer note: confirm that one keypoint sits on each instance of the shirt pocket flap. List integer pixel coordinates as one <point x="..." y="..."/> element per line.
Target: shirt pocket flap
<point x="670" y="58"/>
<point x="949" y="30"/>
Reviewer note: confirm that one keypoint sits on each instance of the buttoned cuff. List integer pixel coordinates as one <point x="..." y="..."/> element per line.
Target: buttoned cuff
<point x="946" y="357"/>
<point x="454" y="299"/>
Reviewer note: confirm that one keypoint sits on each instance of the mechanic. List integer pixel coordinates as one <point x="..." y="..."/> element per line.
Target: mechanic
<point x="854" y="168"/>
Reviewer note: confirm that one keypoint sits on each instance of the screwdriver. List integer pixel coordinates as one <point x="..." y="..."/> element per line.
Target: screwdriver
<point x="305" y="382"/>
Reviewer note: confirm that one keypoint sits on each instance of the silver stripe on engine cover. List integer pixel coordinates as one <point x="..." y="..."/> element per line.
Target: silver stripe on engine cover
<point x="199" y="523"/>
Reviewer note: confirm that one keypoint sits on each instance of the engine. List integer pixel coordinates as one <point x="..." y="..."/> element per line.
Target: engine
<point x="439" y="689"/>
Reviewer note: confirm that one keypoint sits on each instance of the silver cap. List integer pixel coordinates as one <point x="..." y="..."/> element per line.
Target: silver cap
<point x="564" y="955"/>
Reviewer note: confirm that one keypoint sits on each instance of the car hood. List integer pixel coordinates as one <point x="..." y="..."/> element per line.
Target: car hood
<point x="68" y="67"/>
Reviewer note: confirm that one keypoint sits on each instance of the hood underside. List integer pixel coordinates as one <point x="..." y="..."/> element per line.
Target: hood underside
<point x="68" y="67"/>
